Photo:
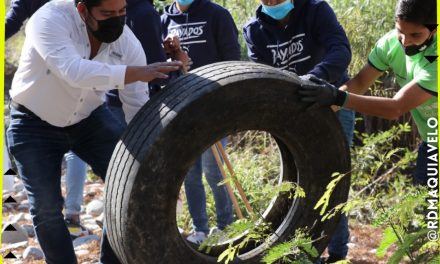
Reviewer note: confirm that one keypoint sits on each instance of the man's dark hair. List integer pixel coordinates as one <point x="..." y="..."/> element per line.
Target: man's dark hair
<point x="89" y="3"/>
<point x="417" y="11"/>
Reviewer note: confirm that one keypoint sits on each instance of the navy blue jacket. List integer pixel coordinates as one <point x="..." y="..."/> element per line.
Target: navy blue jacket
<point x="206" y="31"/>
<point x="144" y="21"/>
<point x="19" y="11"/>
<point x="312" y="42"/>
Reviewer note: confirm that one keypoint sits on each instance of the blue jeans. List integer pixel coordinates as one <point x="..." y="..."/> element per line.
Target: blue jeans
<point x="118" y="113"/>
<point x="38" y="149"/>
<point x="76" y="171"/>
<point x="420" y="175"/>
<point x="196" y="196"/>
<point x="338" y="243"/>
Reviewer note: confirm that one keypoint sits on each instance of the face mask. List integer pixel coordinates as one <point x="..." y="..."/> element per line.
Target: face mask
<point x="185" y="2"/>
<point x="109" y="29"/>
<point x="279" y="11"/>
<point x="414" y="49"/>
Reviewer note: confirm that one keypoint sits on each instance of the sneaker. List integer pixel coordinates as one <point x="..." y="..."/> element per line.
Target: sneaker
<point x="218" y="235"/>
<point x="197" y="237"/>
<point x="75" y="228"/>
<point x="214" y="230"/>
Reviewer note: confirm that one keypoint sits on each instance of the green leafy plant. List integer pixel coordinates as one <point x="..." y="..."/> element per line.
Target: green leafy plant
<point x="405" y="228"/>
<point x="255" y="230"/>
<point x="380" y="182"/>
<point x="296" y="251"/>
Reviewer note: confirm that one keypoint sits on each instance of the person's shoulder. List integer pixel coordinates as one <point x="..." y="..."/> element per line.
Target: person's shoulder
<point x="316" y="3"/>
<point x="64" y="7"/>
<point x="142" y="8"/>
<point x="61" y="5"/>
<point x="251" y="24"/>
<point x="212" y="5"/>
<point x="389" y="40"/>
<point x="216" y="8"/>
<point x="388" y="49"/>
<point x="56" y="9"/>
<point x="432" y="49"/>
<point x="319" y="9"/>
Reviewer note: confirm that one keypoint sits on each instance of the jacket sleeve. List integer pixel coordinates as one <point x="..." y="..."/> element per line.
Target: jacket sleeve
<point x="164" y="25"/>
<point x="330" y="34"/>
<point x="134" y="95"/>
<point x="252" y="50"/>
<point x="226" y="35"/>
<point x="18" y="12"/>
<point x="146" y="26"/>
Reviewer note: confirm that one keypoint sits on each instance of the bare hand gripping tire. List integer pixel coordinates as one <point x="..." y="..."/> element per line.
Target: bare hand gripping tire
<point x="172" y="130"/>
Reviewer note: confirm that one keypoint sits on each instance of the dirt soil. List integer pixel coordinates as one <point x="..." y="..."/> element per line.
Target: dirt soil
<point x="364" y="239"/>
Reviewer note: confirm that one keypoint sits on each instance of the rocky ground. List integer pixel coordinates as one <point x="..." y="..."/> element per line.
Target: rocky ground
<point x="24" y="246"/>
<point x="22" y="242"/>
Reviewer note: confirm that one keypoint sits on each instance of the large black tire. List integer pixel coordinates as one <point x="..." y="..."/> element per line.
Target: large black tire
<point x="172" y="130"/>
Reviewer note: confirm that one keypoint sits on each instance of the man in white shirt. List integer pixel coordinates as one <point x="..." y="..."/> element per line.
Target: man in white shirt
<point x="73" y="53"/>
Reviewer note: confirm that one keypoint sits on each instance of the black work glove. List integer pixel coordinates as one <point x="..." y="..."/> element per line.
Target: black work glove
<point x="321" y="93"/>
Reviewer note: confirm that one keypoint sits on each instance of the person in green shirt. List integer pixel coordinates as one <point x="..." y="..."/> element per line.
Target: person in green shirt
<point x="410" y="51"/>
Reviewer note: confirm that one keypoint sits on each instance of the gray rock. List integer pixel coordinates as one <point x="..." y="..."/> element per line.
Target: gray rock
<point x="11" y="237"/>
<point x="17" y="218"/>
<point x="18" y="187"/>
<point x="92" y="226"/>
<point x="8" y="183"/>
<point x="6" y="209"/>
<point x="18" y="261"/>
<point x="28" y="217"/>
<point x="20" y="196"/>
<point x="85" y="240"/>
<point x="33" y="253"/>
<point x="82" y="252"/>
<point x="6" y="195"/>
<point x="29" y="230"/>
<point x="15" y="246"/>
<point x="90" y="194"/>
<point x="95" y="186"/>
<point x="95" y="208"/>
<point x="24" y="206"/>
<point x="86" y="217"/>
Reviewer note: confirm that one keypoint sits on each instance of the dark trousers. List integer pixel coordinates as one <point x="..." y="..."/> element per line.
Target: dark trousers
<point x="38" y="148"/>
<point x="420" y="176"/>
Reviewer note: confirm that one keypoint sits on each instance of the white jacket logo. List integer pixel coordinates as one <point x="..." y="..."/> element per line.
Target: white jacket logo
<point x="188" y="33"/>
<point x="283" y="53"/>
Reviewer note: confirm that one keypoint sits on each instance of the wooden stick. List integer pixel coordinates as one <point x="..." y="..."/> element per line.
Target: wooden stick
<point x="234" y="178"/>
<point x="228" y="186"/>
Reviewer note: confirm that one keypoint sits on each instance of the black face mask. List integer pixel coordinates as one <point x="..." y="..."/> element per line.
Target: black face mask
<point x="109" y="29"/>
<point x="414" y="49"/>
